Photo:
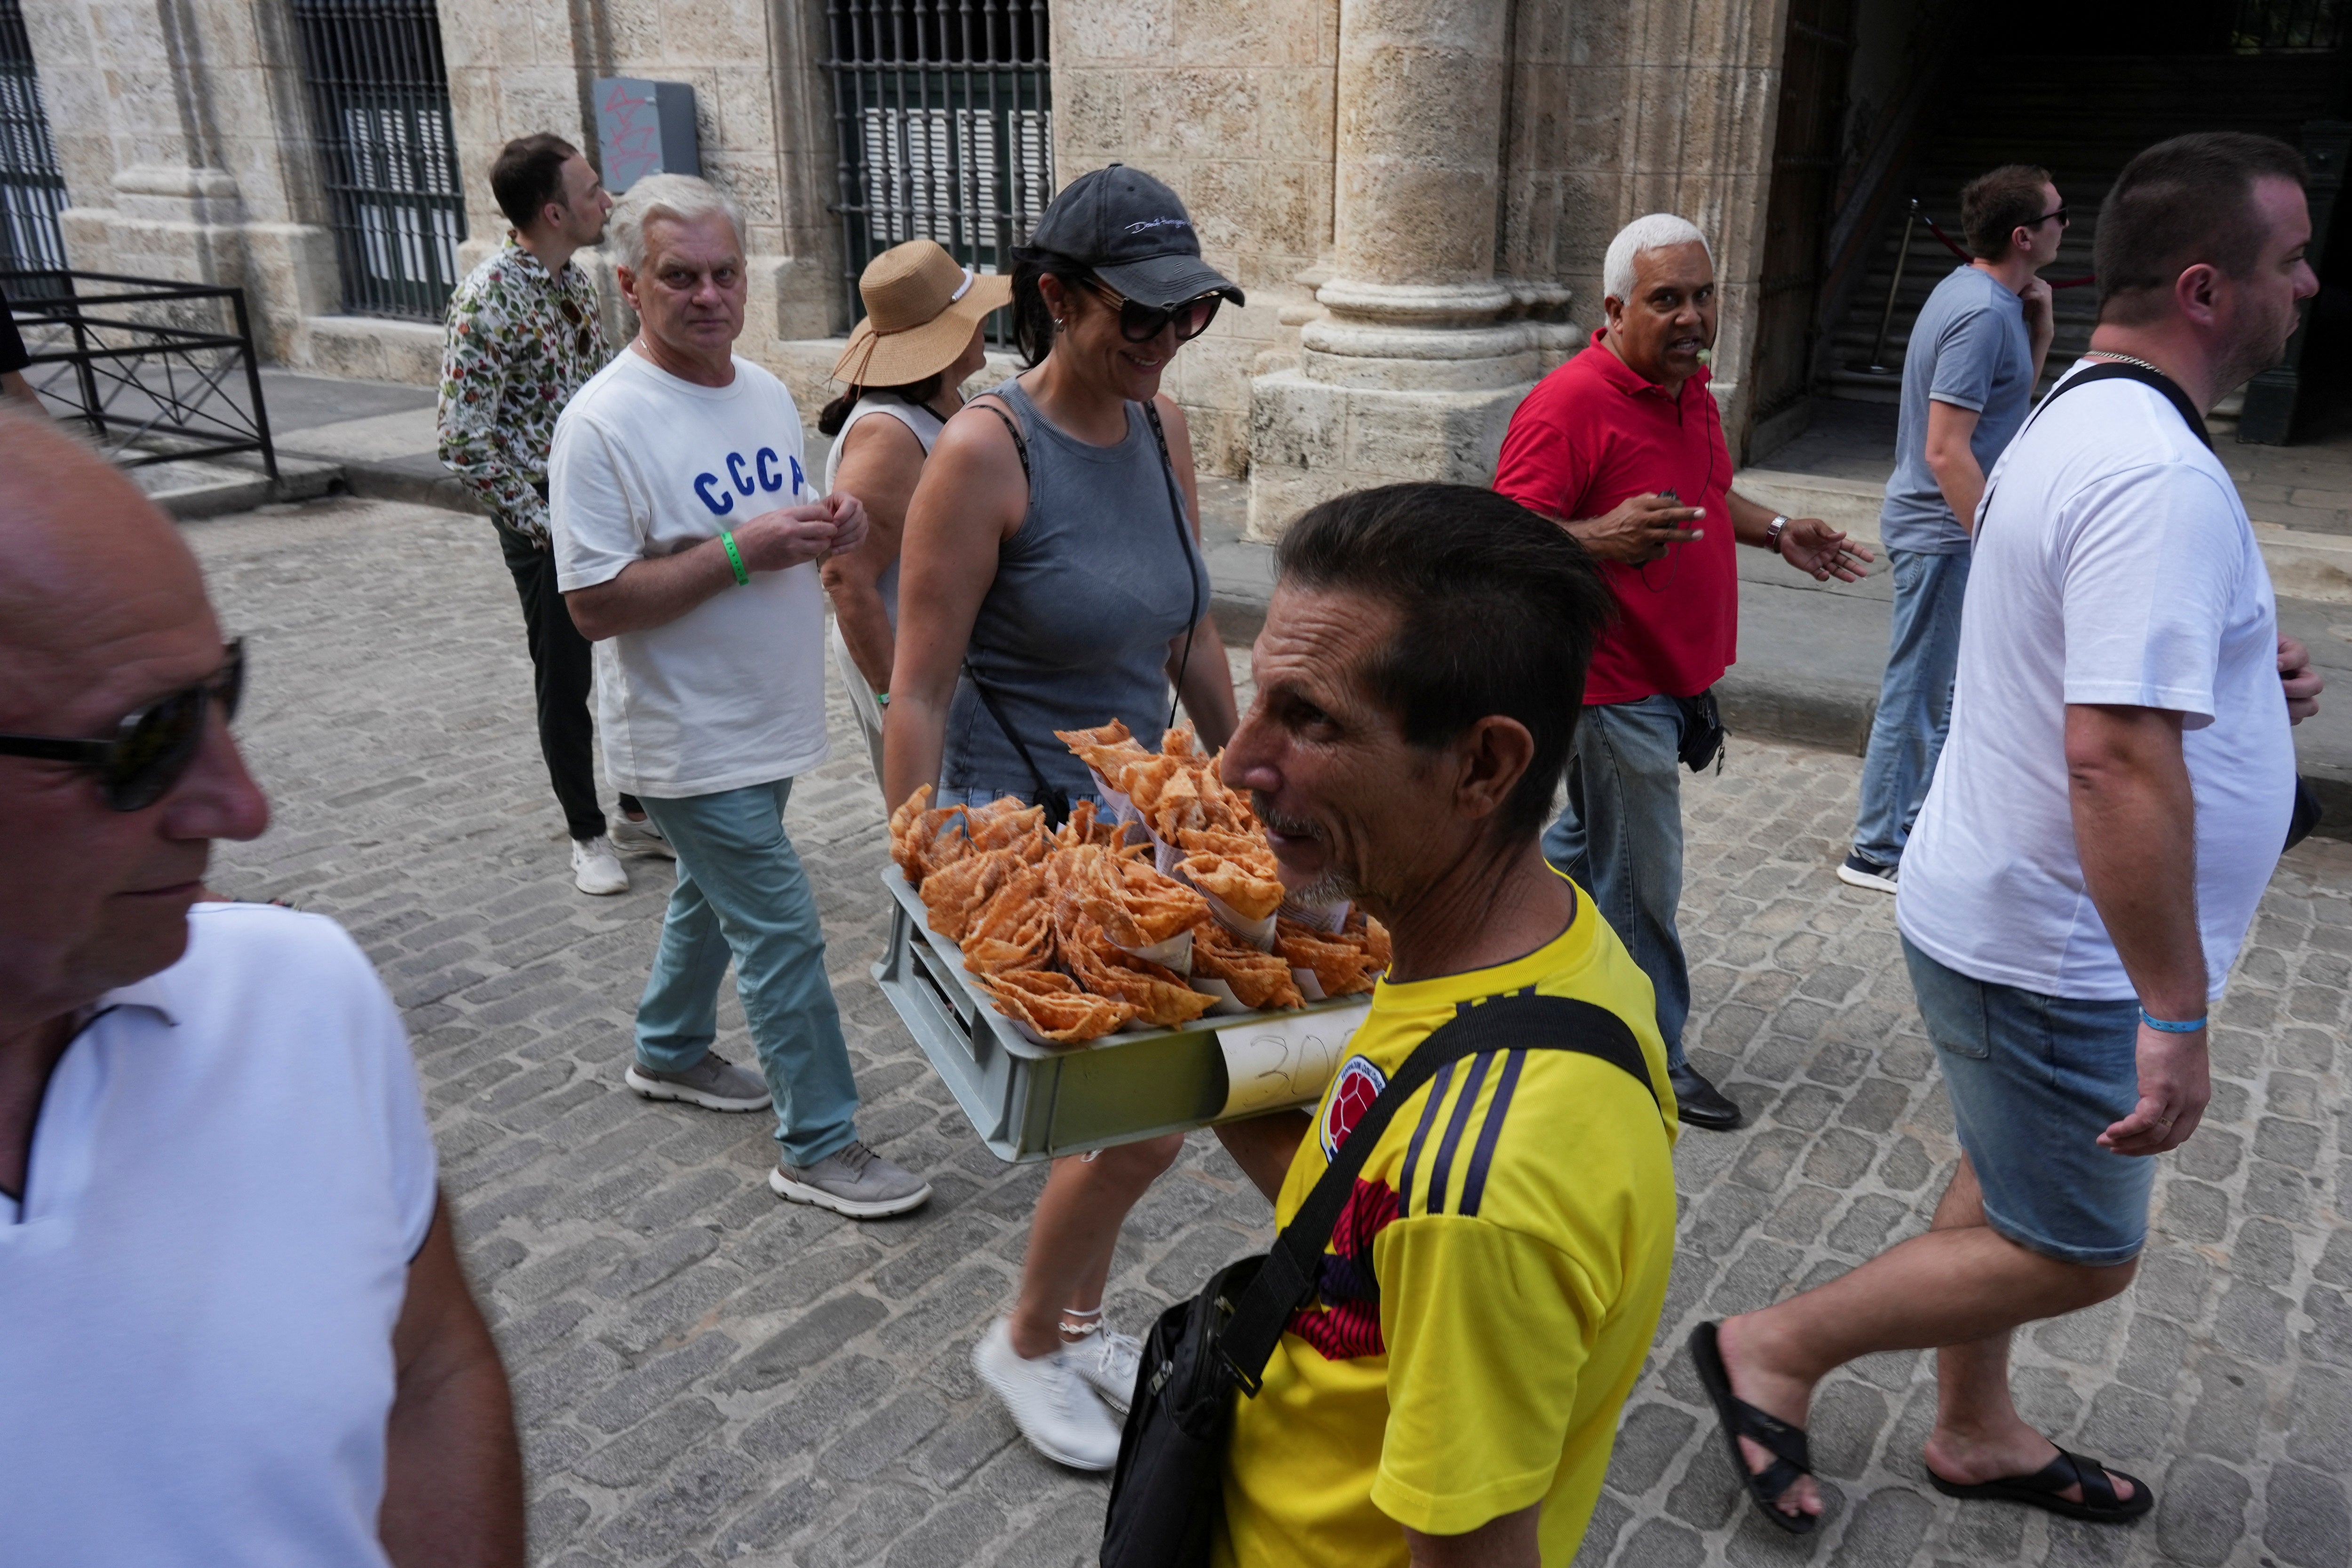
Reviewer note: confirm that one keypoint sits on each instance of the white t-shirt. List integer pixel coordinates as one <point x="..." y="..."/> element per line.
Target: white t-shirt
<point x="643" y="464"/>
<point x="230" y="1175"/>
<point x="2114" y="564"/>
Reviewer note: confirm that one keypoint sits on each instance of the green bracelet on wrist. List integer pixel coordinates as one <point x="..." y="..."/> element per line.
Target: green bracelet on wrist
<point x="735" y="559"/>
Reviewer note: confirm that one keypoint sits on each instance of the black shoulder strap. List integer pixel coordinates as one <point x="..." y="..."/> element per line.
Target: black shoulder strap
<point x="2115" y="370"/>
<point x="993" y="404"/>
<point x="1186" y="546"/>
<point x="1503" y="1024"/>
<point x="2111" y="370"/>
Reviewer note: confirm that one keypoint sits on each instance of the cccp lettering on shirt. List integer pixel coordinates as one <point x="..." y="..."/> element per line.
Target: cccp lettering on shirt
<point x="644" y="465"/>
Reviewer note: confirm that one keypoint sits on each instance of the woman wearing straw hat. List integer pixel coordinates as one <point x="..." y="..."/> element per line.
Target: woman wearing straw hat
<point x="1054" y="579"/>
<point x="919" y="343"/>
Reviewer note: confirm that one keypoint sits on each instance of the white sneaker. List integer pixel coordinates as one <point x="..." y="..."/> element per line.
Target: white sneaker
<point x="595" y="869"/>
<point x="1050" y="1400"/>
<point x="1108" y="1360"/>
<point x="645" y="837"/>
<point x="1857" y="872"/>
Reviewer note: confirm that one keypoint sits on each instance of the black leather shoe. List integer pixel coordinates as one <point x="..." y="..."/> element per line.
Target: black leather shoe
<point x="1702" y="1104"/>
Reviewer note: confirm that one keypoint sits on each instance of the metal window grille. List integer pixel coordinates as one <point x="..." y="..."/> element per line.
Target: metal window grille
<point x="2264" y="24"/>
<point x="389" y="154"/>
<point x="945" y="117"/>
<point x="32" y="187"/>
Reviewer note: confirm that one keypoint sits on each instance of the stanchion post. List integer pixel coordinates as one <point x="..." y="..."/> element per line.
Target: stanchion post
<point x="1886" y="317"/>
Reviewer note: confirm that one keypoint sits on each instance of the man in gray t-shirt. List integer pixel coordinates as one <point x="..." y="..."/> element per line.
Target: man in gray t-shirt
<point x="1969" y="376"/>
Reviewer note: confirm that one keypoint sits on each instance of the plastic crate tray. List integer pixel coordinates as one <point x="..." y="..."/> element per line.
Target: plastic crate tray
<point x="1032" y="1101"/>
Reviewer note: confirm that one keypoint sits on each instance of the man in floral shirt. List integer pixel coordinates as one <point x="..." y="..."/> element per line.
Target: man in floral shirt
<point x="523" y="335"/>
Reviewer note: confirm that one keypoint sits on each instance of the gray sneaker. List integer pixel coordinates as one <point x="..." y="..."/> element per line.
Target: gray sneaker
<point x="853" y="1181"/>
<point x="645" y="837"/>
<point x="713" y="1083"/>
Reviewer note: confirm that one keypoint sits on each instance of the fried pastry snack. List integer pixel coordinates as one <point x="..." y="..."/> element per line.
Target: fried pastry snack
<point x="1341" y="964"/>
<point x="1256" y="979"/>
<point x="1054" y="1005"/>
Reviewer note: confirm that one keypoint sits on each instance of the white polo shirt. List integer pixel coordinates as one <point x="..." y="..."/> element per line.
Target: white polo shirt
<point x="230" y="1175"/>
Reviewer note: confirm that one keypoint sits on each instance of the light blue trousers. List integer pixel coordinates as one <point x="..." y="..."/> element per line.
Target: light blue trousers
<point x="741" y="894"/>
<point x="1914" y="701"/>
<point x="1619" y="838"/>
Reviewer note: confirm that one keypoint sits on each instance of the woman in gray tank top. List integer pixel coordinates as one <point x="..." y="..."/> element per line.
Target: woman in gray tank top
<point x="1052" y="579"/>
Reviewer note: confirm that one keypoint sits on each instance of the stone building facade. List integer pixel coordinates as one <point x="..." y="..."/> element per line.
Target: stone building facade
<point x="1415" y="194"/>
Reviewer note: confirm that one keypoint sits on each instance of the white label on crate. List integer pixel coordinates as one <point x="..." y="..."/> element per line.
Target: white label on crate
<point x="1284" y="1062"/>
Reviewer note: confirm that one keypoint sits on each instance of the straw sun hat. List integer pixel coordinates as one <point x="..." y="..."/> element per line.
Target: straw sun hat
<point x="922" y="306"/>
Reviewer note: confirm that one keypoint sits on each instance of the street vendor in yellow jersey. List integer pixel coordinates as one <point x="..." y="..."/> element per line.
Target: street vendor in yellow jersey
<point x="1450" y="1393"/>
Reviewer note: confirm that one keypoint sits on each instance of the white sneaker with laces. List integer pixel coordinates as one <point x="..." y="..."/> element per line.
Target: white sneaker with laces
<point x="645" y="837"/>
<point x="595" y="869"/>
<point x="1049" y="1399"/>
<point x="1108" y="1360"/>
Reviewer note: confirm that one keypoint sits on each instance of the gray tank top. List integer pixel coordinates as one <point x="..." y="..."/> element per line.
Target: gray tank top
<point x="1089" y="591"/>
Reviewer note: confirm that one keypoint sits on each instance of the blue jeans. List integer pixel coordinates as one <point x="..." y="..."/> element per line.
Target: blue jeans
<point x="1620" y="839"/>
<point x="1914" y="701"/>
<point x="741" y="894"/>
<point x="2034" y="1080"/>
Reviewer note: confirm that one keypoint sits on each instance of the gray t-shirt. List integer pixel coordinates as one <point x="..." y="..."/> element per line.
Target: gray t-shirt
<point x="1969" y="349"/>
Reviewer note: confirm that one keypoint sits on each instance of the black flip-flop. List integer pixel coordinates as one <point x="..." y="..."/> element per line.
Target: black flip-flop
<point x="1791" y="1457"/>
<point x="2101" y="1504"/>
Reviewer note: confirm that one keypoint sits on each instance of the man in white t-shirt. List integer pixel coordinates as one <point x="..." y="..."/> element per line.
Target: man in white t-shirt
<point x="2116" y="790"/>
<point x="233" y="1327"/>
<point x="686" y="545"/>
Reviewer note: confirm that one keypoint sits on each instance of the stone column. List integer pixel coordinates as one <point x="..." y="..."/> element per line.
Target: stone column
<point x="1413" y="370"/>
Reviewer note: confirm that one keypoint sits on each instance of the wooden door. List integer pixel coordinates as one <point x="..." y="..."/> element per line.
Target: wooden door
<point x="1797" y="212"/>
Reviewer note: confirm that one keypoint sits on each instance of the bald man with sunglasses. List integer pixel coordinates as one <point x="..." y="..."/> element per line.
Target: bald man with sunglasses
<point x="236" y="1326"/>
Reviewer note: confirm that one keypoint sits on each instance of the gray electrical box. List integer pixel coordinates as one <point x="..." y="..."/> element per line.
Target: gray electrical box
<point x="644" y="127"/>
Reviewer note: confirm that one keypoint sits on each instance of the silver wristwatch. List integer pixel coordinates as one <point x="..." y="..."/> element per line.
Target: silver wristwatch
<point x="1772" y="534"/>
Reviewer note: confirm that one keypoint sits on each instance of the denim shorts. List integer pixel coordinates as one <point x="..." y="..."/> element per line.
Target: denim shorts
<point x="2034" y="1080"/>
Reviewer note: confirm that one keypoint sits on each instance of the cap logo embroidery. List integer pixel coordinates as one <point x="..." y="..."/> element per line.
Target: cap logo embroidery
<point x="1152" y="223"/>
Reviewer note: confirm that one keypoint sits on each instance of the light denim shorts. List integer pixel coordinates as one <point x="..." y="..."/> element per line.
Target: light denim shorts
<point x="2034" y="1080"/>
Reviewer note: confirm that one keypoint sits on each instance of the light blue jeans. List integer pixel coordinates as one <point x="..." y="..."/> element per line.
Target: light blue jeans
<point x="741" y="894"/>
<point x="1620" y="839"/>
<point x="1914" y="701"/>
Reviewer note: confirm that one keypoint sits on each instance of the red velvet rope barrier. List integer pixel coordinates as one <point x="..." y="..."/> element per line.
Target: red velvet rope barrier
<point x="1950" y="244"/>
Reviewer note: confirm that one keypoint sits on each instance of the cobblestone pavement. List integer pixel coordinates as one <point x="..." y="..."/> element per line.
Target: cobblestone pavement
<point x="705" y="1375"/>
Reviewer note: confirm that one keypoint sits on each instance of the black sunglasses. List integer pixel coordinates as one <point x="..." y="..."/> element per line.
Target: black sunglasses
<point x="153" y="746"/>
<point x="1141" y="323"/>
<point x="579" y="319"/>
<point x="2058" y="211"/>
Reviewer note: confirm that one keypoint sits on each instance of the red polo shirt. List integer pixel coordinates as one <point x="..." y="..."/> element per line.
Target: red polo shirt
<point x="1592" y="433"/>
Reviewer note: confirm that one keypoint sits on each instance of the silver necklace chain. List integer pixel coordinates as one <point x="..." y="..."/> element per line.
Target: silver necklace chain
<point x="2129" y="359"/>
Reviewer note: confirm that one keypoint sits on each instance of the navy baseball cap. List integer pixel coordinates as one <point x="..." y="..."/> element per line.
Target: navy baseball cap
<point x="1134" y="234"/>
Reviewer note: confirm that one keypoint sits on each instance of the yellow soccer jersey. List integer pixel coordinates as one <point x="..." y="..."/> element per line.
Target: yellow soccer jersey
<point x="1490" y="1292"/>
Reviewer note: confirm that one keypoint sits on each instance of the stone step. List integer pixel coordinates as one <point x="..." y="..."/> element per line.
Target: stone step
<point x="212" y="487"/>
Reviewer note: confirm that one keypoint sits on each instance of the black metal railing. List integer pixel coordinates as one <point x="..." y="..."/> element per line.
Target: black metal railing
<point x="387" y="150"/>
<point x="944" y="115"/>
<point x="2266" y="25"/>
<point x="32" y="187"/>
<point x="156" y="372"/>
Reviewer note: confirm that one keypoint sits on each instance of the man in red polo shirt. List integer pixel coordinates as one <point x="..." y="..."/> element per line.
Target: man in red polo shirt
<point x="1624" y="446"/>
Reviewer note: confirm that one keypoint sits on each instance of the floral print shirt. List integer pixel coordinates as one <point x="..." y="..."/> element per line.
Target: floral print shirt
<point x="519" y="344"/>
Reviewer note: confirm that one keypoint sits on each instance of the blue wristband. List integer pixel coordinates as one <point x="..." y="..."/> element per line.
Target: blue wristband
<point x="2170" y="1025"/>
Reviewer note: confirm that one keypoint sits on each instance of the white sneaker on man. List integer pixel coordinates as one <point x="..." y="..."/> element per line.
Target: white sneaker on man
<point x="595" y="869"/>
<point x="1108" y="1360"/>
<point x="1049" y="1399"/>
<point x="645" y="837"/>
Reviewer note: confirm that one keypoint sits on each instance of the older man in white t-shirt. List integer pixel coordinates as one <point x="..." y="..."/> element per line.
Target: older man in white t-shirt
<point x="686" y="545"/>
<point x="2116" y="788"/>
<point x="233" y="1327"/>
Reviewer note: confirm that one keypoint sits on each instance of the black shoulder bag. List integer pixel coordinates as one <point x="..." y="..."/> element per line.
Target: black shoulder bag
<point x="2307" y="813"/>
<point x="1057" y="802"/>
<point x="1165" y="1492"/>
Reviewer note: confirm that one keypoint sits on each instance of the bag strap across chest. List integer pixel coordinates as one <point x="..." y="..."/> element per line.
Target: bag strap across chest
<point x="1503" y="1024"/>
